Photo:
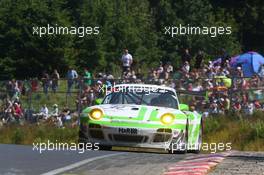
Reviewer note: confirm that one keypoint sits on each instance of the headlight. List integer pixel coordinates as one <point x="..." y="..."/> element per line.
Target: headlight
<point x="96" y="114"/>
<point x="167" y="119"/>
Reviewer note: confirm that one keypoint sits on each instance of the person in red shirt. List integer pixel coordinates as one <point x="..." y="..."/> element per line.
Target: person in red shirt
<point x="257" y="104"/>
<point x="237" y="107"/>
<point x="17" y="111"/>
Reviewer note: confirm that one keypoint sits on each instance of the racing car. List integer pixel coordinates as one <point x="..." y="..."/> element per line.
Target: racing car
<point x="141" y="115"/>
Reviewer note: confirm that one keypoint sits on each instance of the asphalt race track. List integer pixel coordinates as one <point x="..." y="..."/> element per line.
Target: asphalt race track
<point x="20" y="159"/>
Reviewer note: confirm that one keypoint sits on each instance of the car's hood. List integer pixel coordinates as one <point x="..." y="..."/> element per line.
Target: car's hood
<point x="140" y="112"/>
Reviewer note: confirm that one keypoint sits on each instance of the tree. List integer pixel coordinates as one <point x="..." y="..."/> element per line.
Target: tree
<point x="28" y="55"/>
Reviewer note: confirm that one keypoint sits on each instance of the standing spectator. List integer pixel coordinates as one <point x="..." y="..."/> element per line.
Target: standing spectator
<point x="237" y="106"/>
<point x="34" y="85"/>
<point x="186" y="56"/>
<point x="199" y="59"/>
<point x="99" y="89"/>
<point x="15" y="89"/>
<point x="249" y="108"/>
<point x="55" y="80"/>
<point x="213" y="109"/>
<point x="45" y="82"/>
<point x="186" y="67"/>
<point x="238" y="78"/>
<point x="17" y="112"/>
<point x="254" y="81"/>
<point x="87" y="77"/>
<point x="26" y="88"/>
<point x="224" y="55"/>
<point x="160" y="69"/>
<point x="153" y="76"/>
<point x="90" y="97"/>
<point x="126" y="74"/>
<point x="9" y="89"/>
<point x="240" y="72"/>
<point x="8" y="112"/>
<point x="127" y="60"/>
<point x="257" y="104"/>
<point x="71" y="77"/>
<point x="169" y="67"/>
<point x="227" y="104"/>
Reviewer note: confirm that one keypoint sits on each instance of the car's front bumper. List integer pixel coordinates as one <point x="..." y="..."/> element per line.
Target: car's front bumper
<point x="129" y="136"/>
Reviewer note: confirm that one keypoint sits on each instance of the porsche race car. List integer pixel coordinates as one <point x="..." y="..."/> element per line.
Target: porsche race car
<point x="140" y="115"/>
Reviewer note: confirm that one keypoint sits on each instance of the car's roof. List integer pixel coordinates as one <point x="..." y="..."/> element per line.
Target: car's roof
<point x="147" y="86"/>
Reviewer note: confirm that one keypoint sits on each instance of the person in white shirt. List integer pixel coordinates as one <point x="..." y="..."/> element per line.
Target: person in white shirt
<point x="127" y="60"/>
<point x="44" y="111"/>
<point x="186" y="67"/>
<point x="160" y="68"/>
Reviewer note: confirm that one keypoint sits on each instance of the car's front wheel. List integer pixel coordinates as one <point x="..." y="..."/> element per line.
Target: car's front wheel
<point x="180" y="146"/>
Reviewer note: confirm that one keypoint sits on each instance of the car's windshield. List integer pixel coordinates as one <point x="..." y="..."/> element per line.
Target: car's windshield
<point x="158" y="98"/>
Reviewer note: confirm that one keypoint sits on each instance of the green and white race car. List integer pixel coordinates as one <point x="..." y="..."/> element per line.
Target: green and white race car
<point x="140" y="115"/>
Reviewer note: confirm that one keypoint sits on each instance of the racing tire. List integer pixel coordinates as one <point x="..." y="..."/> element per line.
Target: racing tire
<point x="185" y="139"/>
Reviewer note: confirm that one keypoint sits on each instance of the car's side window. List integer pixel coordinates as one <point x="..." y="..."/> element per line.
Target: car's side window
<point x="170" y="101"/>
<point x="113" y="98"/>
<point x="176" y="103"/>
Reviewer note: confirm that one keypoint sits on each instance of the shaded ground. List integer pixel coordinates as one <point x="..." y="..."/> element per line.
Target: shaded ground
<point x="241" y="163"/>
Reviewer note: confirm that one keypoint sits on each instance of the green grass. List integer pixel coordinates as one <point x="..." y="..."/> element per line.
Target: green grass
<point x="29" y="134"/>
<point x="244" y="133"/>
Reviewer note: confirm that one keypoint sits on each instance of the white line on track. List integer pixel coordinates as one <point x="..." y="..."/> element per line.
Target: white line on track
<point x="78" y="164"/>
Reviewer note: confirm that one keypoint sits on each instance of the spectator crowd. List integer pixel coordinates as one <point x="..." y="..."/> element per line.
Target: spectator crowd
<point x="212" y="87"/>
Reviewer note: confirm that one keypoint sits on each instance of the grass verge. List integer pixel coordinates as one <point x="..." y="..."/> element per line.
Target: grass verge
<point x="245" y="133"/>
<point x="29" y="134"/>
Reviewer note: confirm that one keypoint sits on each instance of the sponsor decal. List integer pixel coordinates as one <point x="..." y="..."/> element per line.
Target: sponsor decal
<point x="128" y="131"/>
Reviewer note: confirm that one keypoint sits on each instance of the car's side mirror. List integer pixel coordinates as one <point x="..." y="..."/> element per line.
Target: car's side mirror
<point x="184" y="107"/>
<point x="98" y="101"/>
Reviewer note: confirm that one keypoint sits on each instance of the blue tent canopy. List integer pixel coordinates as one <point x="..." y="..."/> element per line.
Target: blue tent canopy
<point x="250" y="63"/>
